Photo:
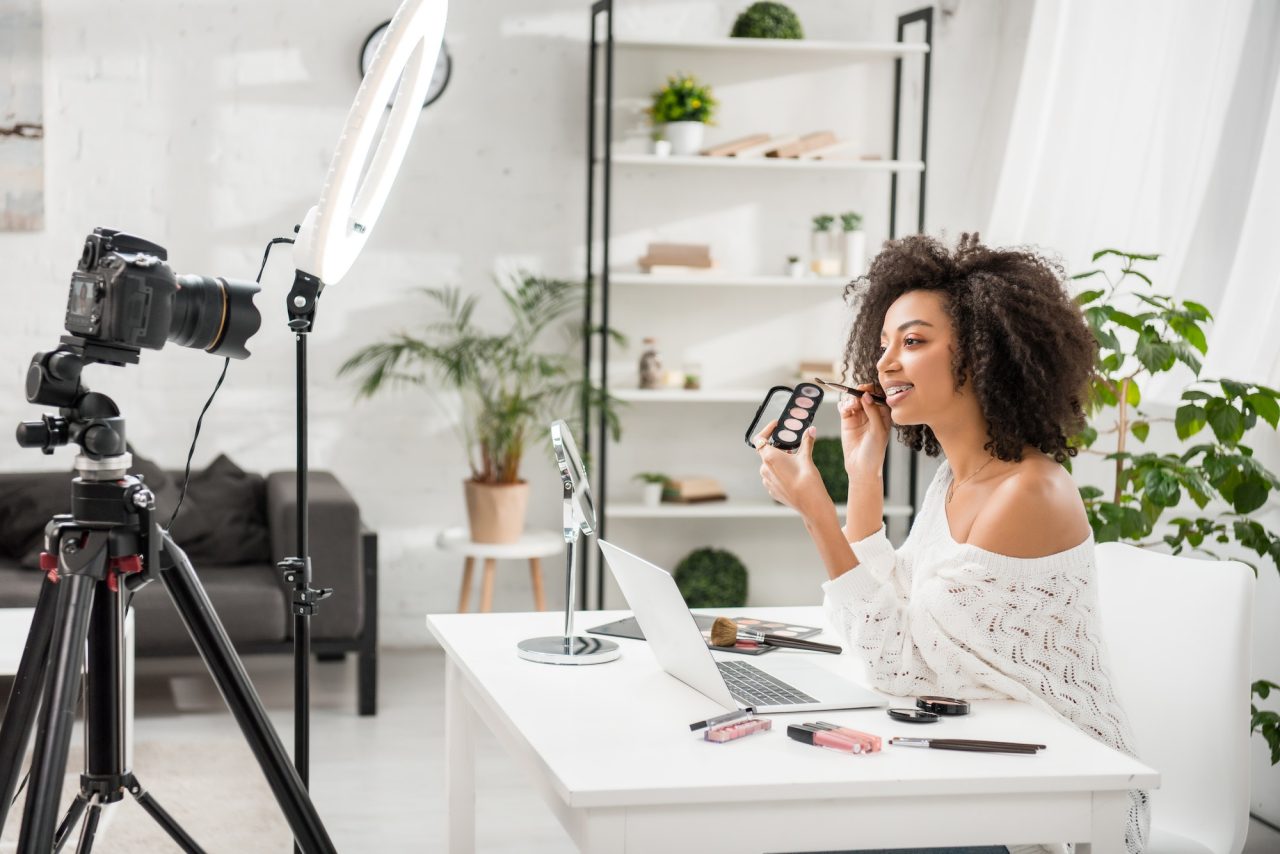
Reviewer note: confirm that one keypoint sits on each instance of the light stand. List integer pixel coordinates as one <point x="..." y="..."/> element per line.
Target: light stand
<point x="331" y="236"/>
<point x="579" y="519"/>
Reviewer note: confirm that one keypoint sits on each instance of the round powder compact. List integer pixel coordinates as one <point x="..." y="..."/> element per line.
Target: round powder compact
<point x="942" y="705"/>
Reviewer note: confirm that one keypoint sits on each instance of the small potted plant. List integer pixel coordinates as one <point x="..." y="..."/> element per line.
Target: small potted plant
<point x="683" y="108"/>
<point x="661" y="146"/>
<point x="855" y="244"/>
<point x="825" y="257"/>
<point x="767" y="20"/>
<point x="653" y="484"/>
<point x="795" y="269"/>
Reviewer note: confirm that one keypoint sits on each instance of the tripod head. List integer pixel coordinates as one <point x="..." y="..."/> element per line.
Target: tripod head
<point x="89" y="419"/>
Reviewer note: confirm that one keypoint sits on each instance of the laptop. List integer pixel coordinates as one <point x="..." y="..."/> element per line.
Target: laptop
<point x="778" y="685"/>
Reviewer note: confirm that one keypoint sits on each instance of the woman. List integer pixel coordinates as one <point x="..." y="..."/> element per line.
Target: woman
<point x="982" y="355"/>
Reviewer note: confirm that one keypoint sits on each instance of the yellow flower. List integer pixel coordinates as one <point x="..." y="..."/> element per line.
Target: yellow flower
<point x="695" y="104"/>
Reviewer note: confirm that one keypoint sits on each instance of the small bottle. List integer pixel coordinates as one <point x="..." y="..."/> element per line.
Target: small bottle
<point x="650" y="365"/>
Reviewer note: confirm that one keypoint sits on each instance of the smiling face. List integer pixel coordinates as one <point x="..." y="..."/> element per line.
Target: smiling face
<point x="914" y="368"/>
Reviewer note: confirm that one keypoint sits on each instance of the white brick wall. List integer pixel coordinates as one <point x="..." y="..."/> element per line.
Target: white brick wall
<point x="206" y="126"/>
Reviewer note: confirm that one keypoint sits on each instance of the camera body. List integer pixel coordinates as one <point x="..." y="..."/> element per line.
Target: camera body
<point x="124" y="296"/>
<point x="122" y="292"/>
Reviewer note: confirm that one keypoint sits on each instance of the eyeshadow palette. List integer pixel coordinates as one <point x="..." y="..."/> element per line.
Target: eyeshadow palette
<point x="629" y="628"/>
<point x="794" y="418"/>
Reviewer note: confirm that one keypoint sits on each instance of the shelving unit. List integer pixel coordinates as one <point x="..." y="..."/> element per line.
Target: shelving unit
<point x="602" y="160"/>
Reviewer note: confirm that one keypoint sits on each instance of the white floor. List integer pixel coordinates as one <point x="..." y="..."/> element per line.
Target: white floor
<point x="378" y="782"/>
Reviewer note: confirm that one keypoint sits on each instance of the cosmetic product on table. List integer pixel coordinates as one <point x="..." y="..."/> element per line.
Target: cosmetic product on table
<point x="727" y="633"/>
<point x="949" y="706"/>
<point x="870" y="742"/>
<point x="969" y="744"/>
<point x="794" y="418"/>
<point x="913" y="716"/>
<point x="731" y="726"/>
<point x="819" y="737"/>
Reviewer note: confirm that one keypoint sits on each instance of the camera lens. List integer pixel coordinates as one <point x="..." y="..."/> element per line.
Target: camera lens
<point x="215" y="315"/>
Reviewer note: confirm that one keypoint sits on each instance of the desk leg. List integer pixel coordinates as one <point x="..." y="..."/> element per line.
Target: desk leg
<point x="460" y="764"/>
<point x="604" y="831"/>
<point x="1110" y="814"/>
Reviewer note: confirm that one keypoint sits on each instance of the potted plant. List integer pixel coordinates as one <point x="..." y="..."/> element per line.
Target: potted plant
<point x="767" y="21"/>
<point x="683" y="107"/>
<point x="825" y="255"/>
<point x="661" y="147"/>
<point x="855" y="244"/>
<point x="1220" y="474"/>
<point x="653" y="484"/>
<point x="795" y="269"/>
<point x="511" y="386"/>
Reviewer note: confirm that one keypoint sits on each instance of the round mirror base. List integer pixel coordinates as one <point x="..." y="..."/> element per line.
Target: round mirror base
<point x="562" y="650"/>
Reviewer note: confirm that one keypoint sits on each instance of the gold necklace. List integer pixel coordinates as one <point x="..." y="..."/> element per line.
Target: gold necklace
<point x="951" y="490"/>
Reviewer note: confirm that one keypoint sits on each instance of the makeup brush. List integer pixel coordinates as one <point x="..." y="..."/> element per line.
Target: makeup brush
<point x="725" y="632"/>
<point x="856" y="392"/>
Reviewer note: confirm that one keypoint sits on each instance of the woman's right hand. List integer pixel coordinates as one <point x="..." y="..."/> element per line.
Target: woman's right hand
<point x="864" y="434"/>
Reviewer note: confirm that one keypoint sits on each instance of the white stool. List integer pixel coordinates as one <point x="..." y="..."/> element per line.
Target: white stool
<point x="532" y="545"/>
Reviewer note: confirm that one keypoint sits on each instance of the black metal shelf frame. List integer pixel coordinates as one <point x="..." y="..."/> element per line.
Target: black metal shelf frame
<point x="596" y="316"/>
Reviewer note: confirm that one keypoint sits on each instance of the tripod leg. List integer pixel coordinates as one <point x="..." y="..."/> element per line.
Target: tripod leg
<point x="237" y="691"/>
<point x="58" y="711"/>
<point x="69" y="822"/>
<point x="90" y="829"/>
<point x="24" y="697"/>
<point x="166" y="822"/>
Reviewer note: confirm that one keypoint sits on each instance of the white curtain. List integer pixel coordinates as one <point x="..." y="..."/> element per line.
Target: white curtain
<point x="1154" y="126"/>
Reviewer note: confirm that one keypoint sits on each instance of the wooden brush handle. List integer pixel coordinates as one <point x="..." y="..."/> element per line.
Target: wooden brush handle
<point x="797" y="643"/>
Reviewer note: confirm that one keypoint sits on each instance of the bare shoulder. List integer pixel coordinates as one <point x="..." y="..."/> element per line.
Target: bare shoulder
<point x="1034" y="512"/>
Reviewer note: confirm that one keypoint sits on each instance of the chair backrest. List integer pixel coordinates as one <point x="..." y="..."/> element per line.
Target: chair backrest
<point x="1178" y="636"/>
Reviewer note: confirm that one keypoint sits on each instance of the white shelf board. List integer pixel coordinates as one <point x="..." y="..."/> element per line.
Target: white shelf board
<point x="679" y="395"/>
<point x="853" y="51"/>
<point x="834" y="283"/>
<point x="730" y="509"/>
<point x="784" y="163"/>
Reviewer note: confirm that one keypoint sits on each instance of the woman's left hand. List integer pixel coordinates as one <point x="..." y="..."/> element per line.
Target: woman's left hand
<point x="792" y="478"/>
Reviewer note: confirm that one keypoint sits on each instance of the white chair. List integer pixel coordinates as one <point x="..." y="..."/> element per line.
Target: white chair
<point x="1178" y="635"/>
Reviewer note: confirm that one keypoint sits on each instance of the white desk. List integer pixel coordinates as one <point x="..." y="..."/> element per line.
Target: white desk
<point x="609" y="748"/>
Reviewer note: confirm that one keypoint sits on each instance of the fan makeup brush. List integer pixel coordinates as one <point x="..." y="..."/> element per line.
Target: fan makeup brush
<point x="725" y="632"/>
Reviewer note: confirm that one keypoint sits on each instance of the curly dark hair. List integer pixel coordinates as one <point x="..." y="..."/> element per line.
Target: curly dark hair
<point x="1020" y="339"/>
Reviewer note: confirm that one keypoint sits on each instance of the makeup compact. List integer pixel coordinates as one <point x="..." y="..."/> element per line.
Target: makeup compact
<point x="942" y="705"/>
<point x="731" y="726"/>
<point x="793" y="419"/>
<point x="913" y="716"/>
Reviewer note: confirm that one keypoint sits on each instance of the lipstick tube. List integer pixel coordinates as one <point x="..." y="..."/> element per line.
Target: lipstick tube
<point x="870" y="743"/>
<point x="822" y="738"/>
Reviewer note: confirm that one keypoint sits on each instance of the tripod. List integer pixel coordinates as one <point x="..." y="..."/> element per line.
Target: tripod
<point x="95" y="559"/>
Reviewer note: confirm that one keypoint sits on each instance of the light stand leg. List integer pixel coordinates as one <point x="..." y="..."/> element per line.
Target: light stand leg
<point x="237" y="691"/>
<point x="301" y="618"/>
<point x="24" y="696"/>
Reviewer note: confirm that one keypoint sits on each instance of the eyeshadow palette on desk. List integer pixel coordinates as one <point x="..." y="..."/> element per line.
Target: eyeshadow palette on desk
<point x="629" y="628"/>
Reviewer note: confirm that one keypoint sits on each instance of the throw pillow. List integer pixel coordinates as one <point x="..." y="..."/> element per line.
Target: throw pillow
<point x="226" y="524"/>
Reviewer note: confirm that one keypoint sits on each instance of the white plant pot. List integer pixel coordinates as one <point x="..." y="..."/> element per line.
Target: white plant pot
<point x="661" y="148"/>
<point x="685" y="137"/>
<point x="855" y="253"/>
<point x="795" y="269"/>
<point x="652" y="495"/>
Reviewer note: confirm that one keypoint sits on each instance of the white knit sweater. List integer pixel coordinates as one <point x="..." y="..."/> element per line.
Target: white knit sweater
<point x="947" y="618"/>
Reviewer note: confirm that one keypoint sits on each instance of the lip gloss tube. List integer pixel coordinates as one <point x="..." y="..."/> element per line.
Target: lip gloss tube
<point x="822" y="738"/>
<point x="871" y="743"/>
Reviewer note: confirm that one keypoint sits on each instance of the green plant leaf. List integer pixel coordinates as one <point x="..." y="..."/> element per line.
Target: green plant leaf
<point x="1196" y="395"/>
<point x="1087" y="274"/>
<point x="1226" y="421"/>
<point x="1086" y="297"/>
<point x="1233" y="388"/>
<point x="1265" y="406"/>
<point x="1125" y="319"/>
<point x="1140" y="429"/>
<point x="1090" y="493"/>
<point x="1154" y="354"/>
<point x="1190" y="332"/>
<point x="1250" y="495"/>
<point x="1189" y="420"/>
<point x="1162" y="488"/>
<point x="1196" y="310"/>
<point x="1130" y="271"/>
<point x="1132" y="394"/>
<point x="1130" y="255"/>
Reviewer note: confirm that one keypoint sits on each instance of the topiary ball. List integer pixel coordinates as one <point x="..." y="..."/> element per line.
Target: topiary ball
<point x="766" y="20"/>
<point x="712" y="578"/>
<point x="828" y="458"/>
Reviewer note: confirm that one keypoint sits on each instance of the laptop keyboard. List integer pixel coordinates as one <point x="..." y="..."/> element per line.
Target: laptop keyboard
<point x="751" y="686"/>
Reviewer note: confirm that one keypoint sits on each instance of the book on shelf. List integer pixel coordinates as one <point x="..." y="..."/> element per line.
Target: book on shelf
<point x="808" y="142"/>
<point x="690" y="490"/>
<point x="679" y="270"/>
<point x="679" y="255"/>
<point x="761" y="149"/>
<point x="839" y="150"/>
<point x="733" y="146"/>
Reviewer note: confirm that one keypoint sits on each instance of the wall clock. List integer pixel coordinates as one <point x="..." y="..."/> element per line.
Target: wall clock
<point x="439" y="77"/>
